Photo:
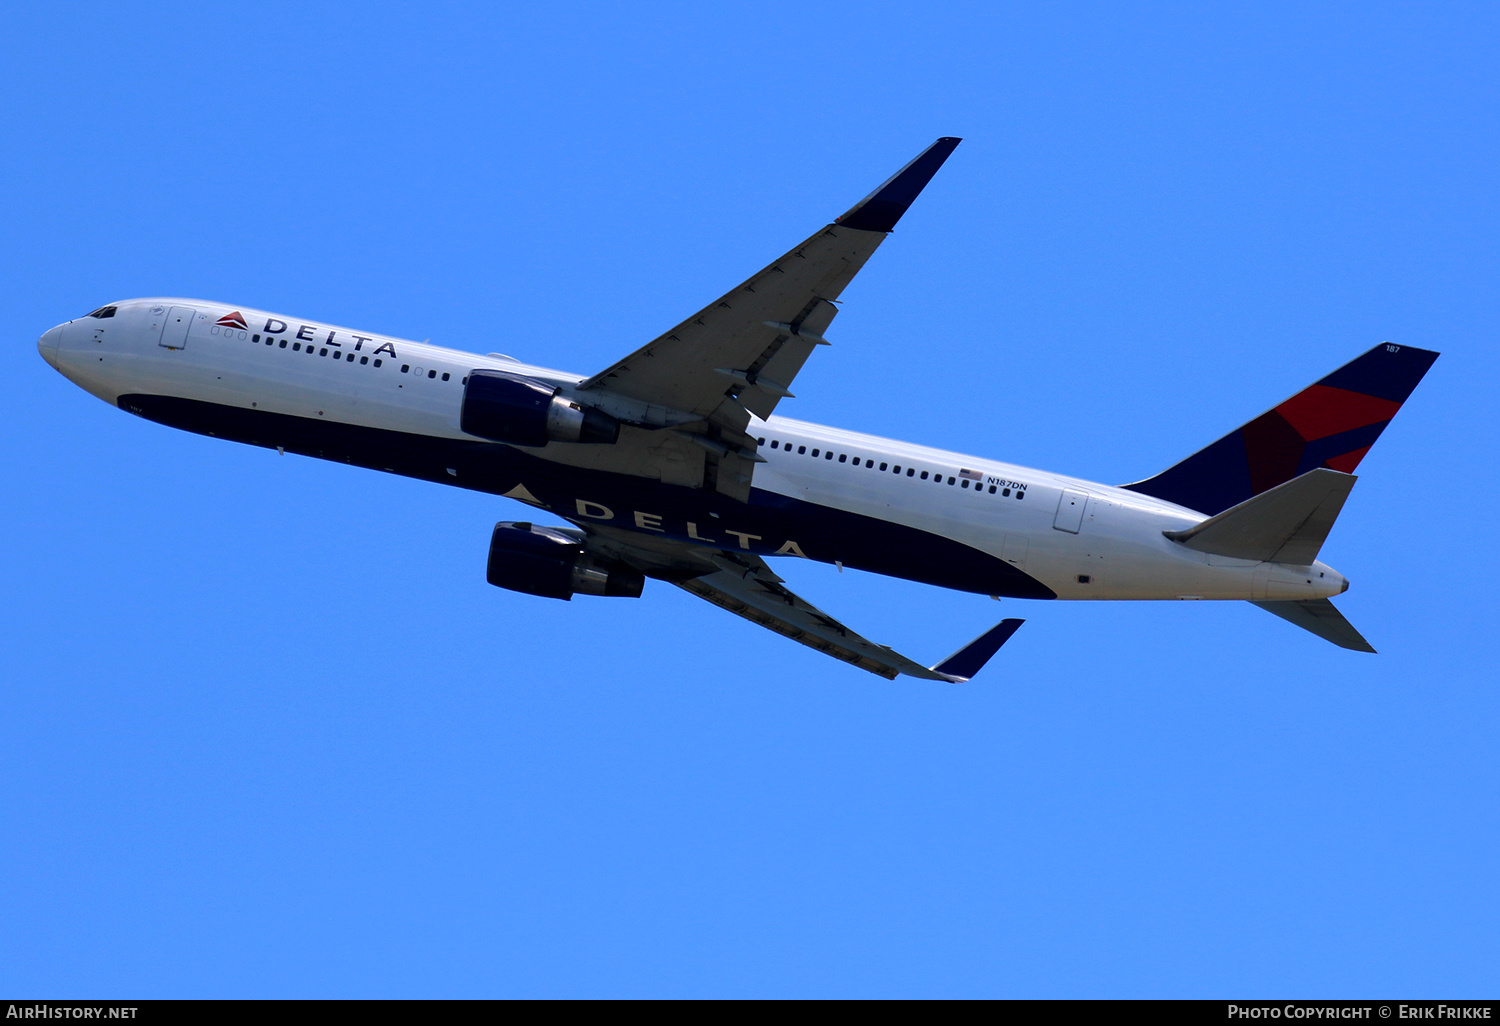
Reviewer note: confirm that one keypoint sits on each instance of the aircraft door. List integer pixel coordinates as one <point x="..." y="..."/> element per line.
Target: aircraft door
<point x="1070" y="506"/>
<point x="175" y="323"/>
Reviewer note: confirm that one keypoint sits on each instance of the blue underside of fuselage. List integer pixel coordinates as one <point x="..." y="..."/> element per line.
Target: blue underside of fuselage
<point x="762" y="526"/>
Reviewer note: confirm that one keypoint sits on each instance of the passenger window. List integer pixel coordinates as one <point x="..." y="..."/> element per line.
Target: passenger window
<point x="924" y="475"/>
<point x="363" y="360"/>
<point x="774" y="444"/>
<point x="283" y="343"/>
<point x="1020" y="494"/>
<point x="445" y="375"/>
<point x="801" y="449"/>
<point x="323" y="351"/>
<point x="253" y="338"/>
<point x="1005" y="492"/>
<point x="349" y="357"/>
<point x="966" y="482"/>
<point x="992" y="489"/>
<point x="815" y="454"/>
<point x="431" y="374"/>
<point x="883" y="466"/>
<point x="296" y="347"/>
<point x="270" y="341"/>
<point x="828" y="455"/>
<point x="950" y="480"/>
<point x="843" y="456"/>
<point x="405" y="367"/>
<point x="377" y="363"/>
<point x="910" y="471"/>
<point x="869" y="463"/>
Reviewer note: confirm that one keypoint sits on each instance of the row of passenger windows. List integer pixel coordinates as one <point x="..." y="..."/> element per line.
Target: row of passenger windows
<point x="936" y="478"/>
<point x="296" y="347"/>
<point x="338" y="353"/>
<point x="431" y="374"/>
<point x="843" y="457"/>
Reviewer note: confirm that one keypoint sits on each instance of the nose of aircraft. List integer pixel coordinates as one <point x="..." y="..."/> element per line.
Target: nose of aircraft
<point x="47" y="345"/>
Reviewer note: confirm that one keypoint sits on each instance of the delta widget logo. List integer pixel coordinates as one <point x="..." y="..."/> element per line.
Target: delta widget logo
<point x="233" y="320"/>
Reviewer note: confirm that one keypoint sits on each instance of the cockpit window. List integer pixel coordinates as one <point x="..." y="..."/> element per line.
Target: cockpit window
<point x="103" y="312"/>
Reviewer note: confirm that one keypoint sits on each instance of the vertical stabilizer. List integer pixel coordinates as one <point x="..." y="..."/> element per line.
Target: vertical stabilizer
<point x="1330" y="424"/>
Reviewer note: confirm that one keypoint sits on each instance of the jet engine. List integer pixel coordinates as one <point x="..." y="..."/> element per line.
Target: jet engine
<point x="523" y="411"/>
<point x="550" y="562"/>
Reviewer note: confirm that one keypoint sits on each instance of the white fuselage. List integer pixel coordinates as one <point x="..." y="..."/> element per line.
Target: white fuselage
<point x="823" y="493"/>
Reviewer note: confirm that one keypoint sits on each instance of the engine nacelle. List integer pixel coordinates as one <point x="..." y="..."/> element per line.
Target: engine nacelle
<point x="550" y="562"/>
<point x="523" y="411"/>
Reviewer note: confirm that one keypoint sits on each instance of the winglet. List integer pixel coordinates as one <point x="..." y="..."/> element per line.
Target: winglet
<point x="879" y="211"/>
<point x="962" y="665"/>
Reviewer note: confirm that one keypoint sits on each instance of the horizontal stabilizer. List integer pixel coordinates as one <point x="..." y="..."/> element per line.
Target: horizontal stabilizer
<point x="1321" y="618"/>
<point x="1286" y="524"/>
<point x="962" y="665"/>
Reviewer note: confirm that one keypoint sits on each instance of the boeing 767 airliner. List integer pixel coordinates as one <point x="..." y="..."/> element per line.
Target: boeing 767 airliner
<point x="672" y="464"/>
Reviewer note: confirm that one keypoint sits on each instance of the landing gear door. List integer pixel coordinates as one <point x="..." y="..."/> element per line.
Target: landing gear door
<point x="175" y="322"/>
<point x="1070" y="506"/>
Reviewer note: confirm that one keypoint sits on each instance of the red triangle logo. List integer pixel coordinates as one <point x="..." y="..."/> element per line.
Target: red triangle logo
<point x="232" y="320"/>
<point x="1322" y="410"/>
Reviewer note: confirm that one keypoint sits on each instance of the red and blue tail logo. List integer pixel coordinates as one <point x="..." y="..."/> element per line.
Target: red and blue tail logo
<point x="1330" y="424"/>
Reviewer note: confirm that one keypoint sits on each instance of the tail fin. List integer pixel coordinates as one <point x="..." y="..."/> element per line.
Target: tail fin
<point x="1330" y="424"/>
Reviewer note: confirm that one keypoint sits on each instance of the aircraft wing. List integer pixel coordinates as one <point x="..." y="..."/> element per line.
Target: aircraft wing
<point x="739" y="354"/>
<point x="746" y="586"/>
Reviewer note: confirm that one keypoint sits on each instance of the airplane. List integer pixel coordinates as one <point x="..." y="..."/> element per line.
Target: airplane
<point x="673" y="464"/>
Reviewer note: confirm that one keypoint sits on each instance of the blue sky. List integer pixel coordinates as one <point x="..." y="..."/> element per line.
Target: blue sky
<point x="269" y="733"/>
